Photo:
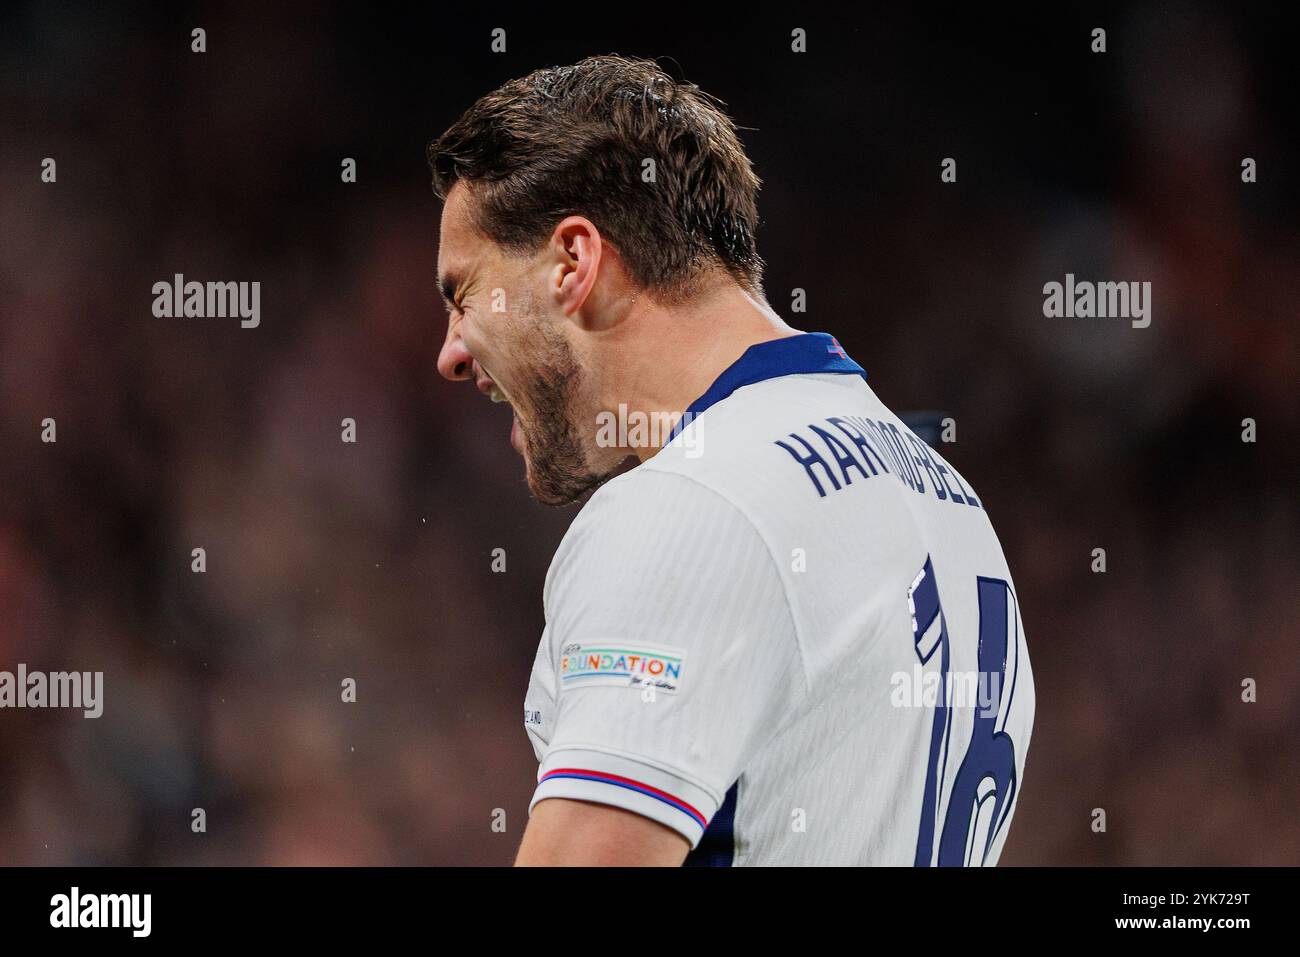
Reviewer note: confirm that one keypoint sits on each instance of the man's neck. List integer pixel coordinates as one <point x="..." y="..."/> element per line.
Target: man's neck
<point x="666" y="357"/>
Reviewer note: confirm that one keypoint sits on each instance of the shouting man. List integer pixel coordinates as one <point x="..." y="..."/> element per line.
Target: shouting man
<point x="789" y="634"/>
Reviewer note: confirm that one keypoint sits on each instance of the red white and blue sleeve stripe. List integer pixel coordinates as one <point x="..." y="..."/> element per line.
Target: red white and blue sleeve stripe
<point x="663" y="795"/>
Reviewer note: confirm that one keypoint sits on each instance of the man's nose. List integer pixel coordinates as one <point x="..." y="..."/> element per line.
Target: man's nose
<point x="454" y="361"/>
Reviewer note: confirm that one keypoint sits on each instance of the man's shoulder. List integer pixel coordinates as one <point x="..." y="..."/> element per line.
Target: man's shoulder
<point x="650" y="495"/>
<point x="646" y="524"/>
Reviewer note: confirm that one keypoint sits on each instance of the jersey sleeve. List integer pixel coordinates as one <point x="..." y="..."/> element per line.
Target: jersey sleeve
<point x="674" y="651"/>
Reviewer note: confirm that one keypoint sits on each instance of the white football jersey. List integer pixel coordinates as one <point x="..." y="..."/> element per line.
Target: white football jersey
<point x="791" y="635"/>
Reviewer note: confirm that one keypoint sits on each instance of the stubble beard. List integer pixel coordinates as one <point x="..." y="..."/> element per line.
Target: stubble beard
<point x="557" y="469"/>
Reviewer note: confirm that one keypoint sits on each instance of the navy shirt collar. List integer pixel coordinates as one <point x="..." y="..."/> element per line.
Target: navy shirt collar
<point x="806" y="353"/>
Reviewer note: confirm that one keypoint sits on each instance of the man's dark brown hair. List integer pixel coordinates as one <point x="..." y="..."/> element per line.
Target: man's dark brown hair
<point x="573" y="140"/>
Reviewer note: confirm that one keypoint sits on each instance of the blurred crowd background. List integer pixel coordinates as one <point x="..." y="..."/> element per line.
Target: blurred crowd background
<point x="373" y="560"/>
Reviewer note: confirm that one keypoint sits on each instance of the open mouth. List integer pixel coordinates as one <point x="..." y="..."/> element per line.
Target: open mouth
<point x="488" y="386"/>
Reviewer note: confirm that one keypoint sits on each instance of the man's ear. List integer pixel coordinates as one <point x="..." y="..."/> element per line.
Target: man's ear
<point x="576" y="252"/>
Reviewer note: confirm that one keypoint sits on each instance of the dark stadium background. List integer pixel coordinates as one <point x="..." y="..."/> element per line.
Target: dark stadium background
<point x="372" y="561"/>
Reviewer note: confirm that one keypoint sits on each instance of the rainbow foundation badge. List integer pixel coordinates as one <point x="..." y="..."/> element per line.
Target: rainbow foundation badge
<point x="583" y="664"/>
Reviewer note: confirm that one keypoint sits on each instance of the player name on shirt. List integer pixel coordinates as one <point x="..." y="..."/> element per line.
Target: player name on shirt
<point x="869" y="448"/>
